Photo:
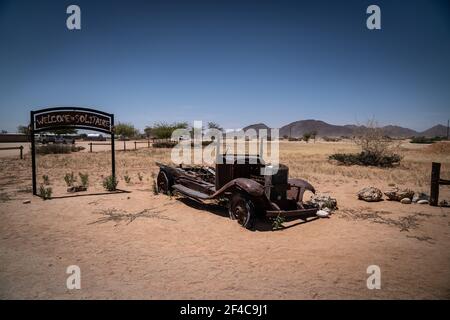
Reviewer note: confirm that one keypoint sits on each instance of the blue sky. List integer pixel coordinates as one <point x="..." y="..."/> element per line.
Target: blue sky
<point x="232" y="62"/>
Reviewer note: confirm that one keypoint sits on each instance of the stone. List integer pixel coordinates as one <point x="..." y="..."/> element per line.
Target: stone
<point x="444" y="203"/>
<point x="396" y="194"/>
<point x="423" y="202"/>
<point x="370" y="194"/>
<point x="323" y="201"/>
<point x="420" y="196"/>
<point x="76" y="189"/>
<point x="322" y="213"/>
<point x="26" y="201"/>
<point x="406" y="201"/>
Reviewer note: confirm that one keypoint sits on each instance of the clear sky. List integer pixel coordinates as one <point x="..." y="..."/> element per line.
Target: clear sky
<point x="232" y="62"/>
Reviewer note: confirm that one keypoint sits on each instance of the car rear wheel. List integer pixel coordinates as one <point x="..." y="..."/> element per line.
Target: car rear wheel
<point x="162" y="182"/>
<point x="242" y="209"/>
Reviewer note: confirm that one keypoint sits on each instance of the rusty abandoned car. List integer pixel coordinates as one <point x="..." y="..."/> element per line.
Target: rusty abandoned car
<point x="241" y="182"/>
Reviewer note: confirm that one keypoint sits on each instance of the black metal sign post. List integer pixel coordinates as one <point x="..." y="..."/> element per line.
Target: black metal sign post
<point x="33" y="152"/>
<point x="73" y="118"/>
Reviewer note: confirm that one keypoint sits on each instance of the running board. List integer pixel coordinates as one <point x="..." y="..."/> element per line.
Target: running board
<point x="190" y="193"/>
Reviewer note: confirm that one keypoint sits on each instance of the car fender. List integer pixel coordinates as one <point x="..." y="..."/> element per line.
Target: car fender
<point x="249" y="186"/>
<point x="302" y="186"/>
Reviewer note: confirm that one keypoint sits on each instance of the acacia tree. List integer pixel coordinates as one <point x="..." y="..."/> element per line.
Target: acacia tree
<point x="148" y="131"/>
<point x="164" y="130"/>
<point x="307" y="136"/>
<point x="23" y="129"/>
<point x="125" y="130"/>
<point x="214" y="125"/>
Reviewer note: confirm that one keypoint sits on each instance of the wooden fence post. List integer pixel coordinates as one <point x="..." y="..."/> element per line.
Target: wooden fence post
<point x="90" y="147"/>
<point x="21" y="152"/>
<point x="435" y="176"/>
<point x="135" y="145"/>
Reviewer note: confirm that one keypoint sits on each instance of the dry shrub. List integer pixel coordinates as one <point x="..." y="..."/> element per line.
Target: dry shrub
<point x="377" y="148"/>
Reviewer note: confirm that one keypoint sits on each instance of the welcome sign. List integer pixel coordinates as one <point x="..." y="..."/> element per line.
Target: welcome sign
<point x="69" y="117"/>
<point x="72" y="118"/>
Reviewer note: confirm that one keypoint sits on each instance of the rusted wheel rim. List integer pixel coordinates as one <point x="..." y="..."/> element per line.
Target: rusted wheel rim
<point x="241" y="212"/>
<point x="163" y="183"/>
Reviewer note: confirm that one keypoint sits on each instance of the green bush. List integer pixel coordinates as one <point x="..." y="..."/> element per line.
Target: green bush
<point x="426" y="140"/>
<point x="127" y="178"/>
<point x="84" y="177"/>
<point x="45" y="193"/>
<point x="70" y="179"/>
<point x="366" y="159"/>
<point x="164" y="144"/>
<point x="110" y="183"/>
<point x="331" y="139"/>
<point x="46" y="179"/>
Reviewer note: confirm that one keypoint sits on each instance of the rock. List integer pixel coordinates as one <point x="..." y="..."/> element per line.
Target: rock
<point x="370" y="194"/>
<point x="395" y="194"/>
<point x="420" y="196"/>
<point x="444" y="203"/>
<point x="26" y="201"/>
<point x="406" y="201"/>
<point x="76" y="189"/>
<point x="322" y="213"/>
<point x="423" y="202"/>
<point x="323" y="202"/>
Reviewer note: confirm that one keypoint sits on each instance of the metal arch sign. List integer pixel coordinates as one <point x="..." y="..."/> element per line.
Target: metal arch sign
<point x="69" y="117"/>
<point x="83" y="118"/>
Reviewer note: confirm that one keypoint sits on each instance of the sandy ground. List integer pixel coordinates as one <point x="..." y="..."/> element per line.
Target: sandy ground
<point x="140" y="245"/>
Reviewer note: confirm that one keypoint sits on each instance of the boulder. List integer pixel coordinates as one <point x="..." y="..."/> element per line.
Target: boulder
<point x="370" y="194"/>
<point x="323" y="201"/>
<point x="396" y="194"/>
<point x="423" y="201"/>
<point x="406" y="201"/>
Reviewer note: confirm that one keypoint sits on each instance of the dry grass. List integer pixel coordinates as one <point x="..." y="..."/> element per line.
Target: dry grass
<point x="305" y="160"/>
<point x="442" y="147"/>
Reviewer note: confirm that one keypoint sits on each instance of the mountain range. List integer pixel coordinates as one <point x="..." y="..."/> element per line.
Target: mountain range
<point x="298" y="128"/>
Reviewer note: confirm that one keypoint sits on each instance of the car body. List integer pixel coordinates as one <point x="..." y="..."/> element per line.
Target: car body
<point x="64" y="140"/>
<point x="45" y="138"/>
<point x="241" y="181"/>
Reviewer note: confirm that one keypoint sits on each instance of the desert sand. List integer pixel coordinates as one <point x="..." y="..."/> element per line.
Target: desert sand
<point x="143" y="245"/>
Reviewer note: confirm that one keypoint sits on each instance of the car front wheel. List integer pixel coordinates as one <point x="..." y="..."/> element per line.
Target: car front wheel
<point x="242" y="210"/>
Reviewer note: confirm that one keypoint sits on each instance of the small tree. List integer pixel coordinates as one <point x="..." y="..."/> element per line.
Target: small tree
<point x="214" y="125"/>
<point x="163" y="130"/>
<point x="125" y="130"/>
<point x="148" y="131"/>
<point x="23" y="129"/>
<point x="307" y="136"/>
<point x="313" y="135"/>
